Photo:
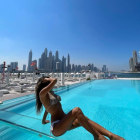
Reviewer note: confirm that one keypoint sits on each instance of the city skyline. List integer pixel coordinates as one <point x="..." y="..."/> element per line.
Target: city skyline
<point x="52" y="63"/>
<point x="99" y="32"/>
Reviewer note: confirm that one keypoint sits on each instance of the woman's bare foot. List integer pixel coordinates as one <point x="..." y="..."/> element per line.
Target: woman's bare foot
<point x="116" y="137"/>
<point x="101" y="137"/>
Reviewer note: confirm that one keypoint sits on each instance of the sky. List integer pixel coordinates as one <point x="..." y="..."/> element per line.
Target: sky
<point x="102" y="32"/>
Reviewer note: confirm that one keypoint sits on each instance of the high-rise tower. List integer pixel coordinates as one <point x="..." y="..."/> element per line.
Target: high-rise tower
<point x="104" y="68"/>
<point x="131" y="64"/>
<point x="73" y="68"/>
<point x="34" y="65"/>
<point x="24" y="67"/>
<point x="62" y="64"/>
<point x="50" y="60"/>
<point x="45" y="57"/>
<point x="43" y="60"/>
<point x="30" y="60"/>
<point x="68" y="63"/>
<point x="46" y="51"/>
<point x="56" y="56"/>
<point x="39" y="63"/>
<point x="92" y="66"/>
<point x="135" y="58"/>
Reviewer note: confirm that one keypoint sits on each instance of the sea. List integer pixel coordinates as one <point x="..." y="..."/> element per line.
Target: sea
<point x="123" y="75"/>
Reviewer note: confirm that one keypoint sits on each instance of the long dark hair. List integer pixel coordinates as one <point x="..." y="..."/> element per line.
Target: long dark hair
<point x="38" y="88"/>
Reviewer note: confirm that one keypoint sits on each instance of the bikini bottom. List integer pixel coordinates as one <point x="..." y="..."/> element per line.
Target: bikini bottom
<point x="52" y="124"/>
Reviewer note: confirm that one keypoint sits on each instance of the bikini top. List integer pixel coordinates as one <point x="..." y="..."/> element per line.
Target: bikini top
<point x="54" y="99"/>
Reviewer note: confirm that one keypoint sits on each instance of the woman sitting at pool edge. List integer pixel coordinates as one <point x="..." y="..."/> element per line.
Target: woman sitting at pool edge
<point x="61" y="122"/>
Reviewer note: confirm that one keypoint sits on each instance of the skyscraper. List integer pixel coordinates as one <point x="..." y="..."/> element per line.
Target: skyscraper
<point x="73" y="68"/>
<point x="45" y="57"/>
<point x="135" y="58"/>
<point x="68" y="63"/>
<point x="56" y="56"/>
<point x="39" y="63"/>
<point x="76" y="68"/>
<point x="79" y="68"/>
<point x="13" y="66"/>
<point x="131" y="64"/>
<point x="104" y="68"/>
<point x="34" y="62"/>
<point x="64" y="64"/>
<point x="60" y="62"/>
<point x="24" y="67"/>
<point x="46" y="51"/>
<point x="95" y="69"/>
<point x="83" y="68"/>
<point x="50" y="61"/>
<point x="30" y="60"/>
<point x="57" y="66"/>
<point x="43" y="60"/>
<point x="92" y="67"/>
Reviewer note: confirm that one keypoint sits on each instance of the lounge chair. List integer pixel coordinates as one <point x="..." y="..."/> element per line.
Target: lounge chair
<point x="18" y="89"/>
<point x="32" y="88"/>
<point x="3" y="91"/>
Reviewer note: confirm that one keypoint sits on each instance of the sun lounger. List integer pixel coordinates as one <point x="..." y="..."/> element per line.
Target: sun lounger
<point x="18" y="89"/>
<point x="71" y="80"/>
<point x="3" y="91"/>
<point x="33" y="83"/>
<point x="8" y="88"/>
<point x="12" y="84"/>
<point x="24" y="82"/>
<point x="30" y="88"/>
<point x="2" y="88"/>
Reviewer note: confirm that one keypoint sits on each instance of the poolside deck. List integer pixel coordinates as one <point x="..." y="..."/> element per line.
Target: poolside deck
<point x="14" y="94"/>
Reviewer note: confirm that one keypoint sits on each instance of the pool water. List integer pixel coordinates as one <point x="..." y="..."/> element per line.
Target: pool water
<point x="9" y="132"/>
<point x="114" y="104"/>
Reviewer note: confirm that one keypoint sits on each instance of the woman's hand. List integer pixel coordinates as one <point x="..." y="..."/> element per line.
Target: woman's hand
<point x="49" y="79"/>
<point x="46" y="79"/>
<point x="45" y="122"/>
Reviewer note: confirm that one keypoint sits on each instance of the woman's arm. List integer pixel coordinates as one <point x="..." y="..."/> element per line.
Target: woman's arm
<point x="45" y="90"/>
<point x="44" y="121"/>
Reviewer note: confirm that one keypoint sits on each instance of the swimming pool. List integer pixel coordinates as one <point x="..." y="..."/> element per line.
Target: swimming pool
<point x="114" y="104"/>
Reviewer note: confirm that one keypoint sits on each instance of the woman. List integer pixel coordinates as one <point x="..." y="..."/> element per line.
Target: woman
<point x="61" y="122"/>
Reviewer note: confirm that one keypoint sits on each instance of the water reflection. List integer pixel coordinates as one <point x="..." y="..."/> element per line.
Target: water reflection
<point x="136" y="84"/>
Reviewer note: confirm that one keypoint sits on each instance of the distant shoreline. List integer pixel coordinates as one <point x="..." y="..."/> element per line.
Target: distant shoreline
<point x="129" y="78"/>
<point x="123" y="72"/>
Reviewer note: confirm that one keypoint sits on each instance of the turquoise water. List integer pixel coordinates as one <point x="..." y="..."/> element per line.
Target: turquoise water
<point x="9" y="132"/>
<point x="114" y="104"/>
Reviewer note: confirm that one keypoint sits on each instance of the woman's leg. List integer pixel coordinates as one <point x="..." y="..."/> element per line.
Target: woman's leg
<point x="66" y="122"/>
<point x="104" y="131"/>
<point x="98" y="128"/>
